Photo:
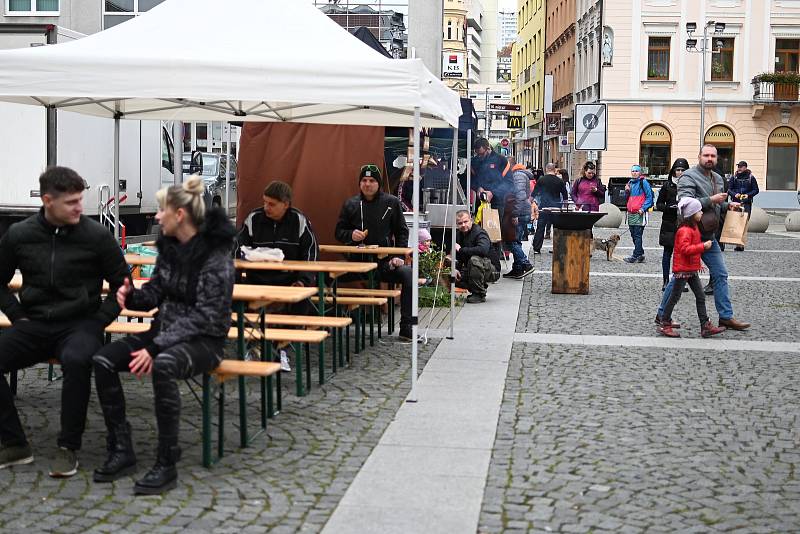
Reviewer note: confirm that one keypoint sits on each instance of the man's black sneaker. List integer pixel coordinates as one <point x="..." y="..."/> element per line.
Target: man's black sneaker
<point x="475" y="299"/>
<point x="513" y="273"/>
<point x="523" y="273"/>
<point x="64" y="464"/>
<point x="15" y="455"/>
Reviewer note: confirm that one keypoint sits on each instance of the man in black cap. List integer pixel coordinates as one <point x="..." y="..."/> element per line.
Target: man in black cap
<point x="742" y="187"/>
<point x="375" y="218"/>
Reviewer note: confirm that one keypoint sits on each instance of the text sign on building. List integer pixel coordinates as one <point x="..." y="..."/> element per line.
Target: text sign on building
<point x="552" y="123"/>
<point x="505" y="107"/>
<point x="591" y="126"/>
<point x="563" y="145"/>
<point x="514" y="122"/>
<point x="453" y="65"/>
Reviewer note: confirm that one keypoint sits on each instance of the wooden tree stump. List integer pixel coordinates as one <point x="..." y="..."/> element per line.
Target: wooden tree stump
<point x="571" y="255"/>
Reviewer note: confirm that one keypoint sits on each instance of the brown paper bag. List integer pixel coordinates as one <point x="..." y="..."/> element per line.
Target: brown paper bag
<point x="735" y="229"/>
<point x="490" y="221"/>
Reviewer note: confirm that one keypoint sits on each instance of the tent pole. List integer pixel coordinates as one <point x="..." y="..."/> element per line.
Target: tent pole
<point x="177" y="149"/>
<point x="414" y="244"/>
<point x="228" y="170"/>
<point x="469" y="171"/>
<point x="115" y="187"/>
<point x="454" y="198"/>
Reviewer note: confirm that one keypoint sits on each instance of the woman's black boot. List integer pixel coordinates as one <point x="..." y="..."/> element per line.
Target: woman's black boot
<point x="163" y="476"/>
<point x="121" y="459"/>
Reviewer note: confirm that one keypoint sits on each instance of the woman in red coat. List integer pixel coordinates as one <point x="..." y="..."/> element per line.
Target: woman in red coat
<point x="685" y="268"/>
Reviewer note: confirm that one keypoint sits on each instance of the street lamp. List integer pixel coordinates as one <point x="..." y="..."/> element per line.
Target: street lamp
<point x="691" y="46"/>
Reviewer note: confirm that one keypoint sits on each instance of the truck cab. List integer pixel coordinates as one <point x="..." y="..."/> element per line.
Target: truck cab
<point x="212" y="168"/>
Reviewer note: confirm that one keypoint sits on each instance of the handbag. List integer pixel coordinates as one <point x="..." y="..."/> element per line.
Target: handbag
<point x="709" y="221"/>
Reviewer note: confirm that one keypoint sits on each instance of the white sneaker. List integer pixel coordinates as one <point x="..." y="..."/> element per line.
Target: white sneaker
<point x="285" y="362"/>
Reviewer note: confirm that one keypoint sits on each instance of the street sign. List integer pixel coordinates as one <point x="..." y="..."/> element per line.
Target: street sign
<point x="515" y="122"/>
<point x="591" y="127"/>
<point x="563" y="145"/>
<point x="552" y="123"/>
<point x="591" y="155"/>
<point x="504" y="143"/>
<point x="571" y="137"/>
<point x="505" y="107"/>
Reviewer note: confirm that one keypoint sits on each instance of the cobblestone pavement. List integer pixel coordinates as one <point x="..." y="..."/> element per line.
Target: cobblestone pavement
<point x="290" y="482"/>
<point x="629" y="440"/>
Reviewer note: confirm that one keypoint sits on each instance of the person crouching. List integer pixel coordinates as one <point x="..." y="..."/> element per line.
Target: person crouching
<point x="192" y="287"/>
<point x="685" y="268"/>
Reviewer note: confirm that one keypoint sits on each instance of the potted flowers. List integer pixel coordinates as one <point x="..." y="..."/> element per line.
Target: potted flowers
<point x="785" y="84"/>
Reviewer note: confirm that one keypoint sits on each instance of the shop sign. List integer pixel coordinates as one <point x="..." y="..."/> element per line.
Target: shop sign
<point x="719" y="135"/>
<point x="656" y="134"/>
<point x="453" y="65"/>
<point x="783" y="136"/>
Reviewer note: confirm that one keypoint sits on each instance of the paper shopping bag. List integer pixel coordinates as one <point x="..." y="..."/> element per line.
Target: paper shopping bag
<point x="735" y="229"/>
<point x="490" y="221"/>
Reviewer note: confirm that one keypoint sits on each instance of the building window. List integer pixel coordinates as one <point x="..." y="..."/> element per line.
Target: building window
<point x="787" y="55"/>
<point x="118" y="11"/>
<point x="722" y="60"/>
<point x="722" y="137"/>
<point x="655" y="146"/>
<point x="449" y="30"/>
<point x="32" y="7"/>
<point x="658" y="58"/>
<point x="782" y="159"/>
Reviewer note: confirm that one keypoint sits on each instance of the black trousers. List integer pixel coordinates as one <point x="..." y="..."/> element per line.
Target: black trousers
<point x="403" y="276"/>
<point x="538" y="237"/>
<point x="180" y="361"/>
<point x="73" y="343"/>
<point x="675" y="296"/>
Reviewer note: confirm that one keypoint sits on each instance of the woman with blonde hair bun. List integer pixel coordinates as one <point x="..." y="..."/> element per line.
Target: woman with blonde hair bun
<point x="191" y="286"/>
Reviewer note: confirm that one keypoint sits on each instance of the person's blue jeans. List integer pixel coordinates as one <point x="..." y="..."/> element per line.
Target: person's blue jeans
<point x="637" y="232"/>
<point x="719" y="279"/>
<point x="520" y="259"/>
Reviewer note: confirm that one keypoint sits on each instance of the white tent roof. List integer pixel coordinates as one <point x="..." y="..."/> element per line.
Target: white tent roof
<point x="247" y="60"/>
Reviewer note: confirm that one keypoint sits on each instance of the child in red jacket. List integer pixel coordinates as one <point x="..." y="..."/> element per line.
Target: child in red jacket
<point x="685" y="268"/>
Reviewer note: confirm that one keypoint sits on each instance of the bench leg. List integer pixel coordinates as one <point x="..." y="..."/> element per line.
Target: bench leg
<point x="298" y="368"/>
<point x="363" y="328"/>
<point x="372" y="326"/>
<point x="50" y="373"/>
<point x="380" y="321"/>
<point x="206" y="421"/>
<point x="308" y="366"/>
<point x="221" y="422"/>
<point x="322" y="362"/>
<point x="356" y="348"/>
<point x="241" y="349"/>
<point x="346" y="345"/>
<point x="390" y="317"/>
<point x="264" y="409"/>
<point x="337" y="347"/>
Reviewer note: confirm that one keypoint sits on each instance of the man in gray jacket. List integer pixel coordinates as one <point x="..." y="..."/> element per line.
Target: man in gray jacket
<point x="520" y="216"/>
<point x="702" y="183"/>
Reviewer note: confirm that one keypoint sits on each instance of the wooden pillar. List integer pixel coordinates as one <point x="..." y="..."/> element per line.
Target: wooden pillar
<point x="571" y="255"/>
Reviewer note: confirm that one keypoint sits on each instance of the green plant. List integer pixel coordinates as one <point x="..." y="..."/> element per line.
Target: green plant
<point x="717" y="67"/>
<point x="778" y="77"/>
<point x="435" y="296"/>
<point x="431" y="261"/>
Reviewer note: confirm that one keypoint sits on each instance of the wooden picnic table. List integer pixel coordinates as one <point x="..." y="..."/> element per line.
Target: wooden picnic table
<point x="379" y="252"/>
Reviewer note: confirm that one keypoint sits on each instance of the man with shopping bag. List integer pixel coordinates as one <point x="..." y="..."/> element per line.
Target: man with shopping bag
<point x="742" y="187"/>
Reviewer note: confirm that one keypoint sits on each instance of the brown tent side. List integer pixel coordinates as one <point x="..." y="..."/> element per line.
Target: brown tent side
<point x="321" y="162"/>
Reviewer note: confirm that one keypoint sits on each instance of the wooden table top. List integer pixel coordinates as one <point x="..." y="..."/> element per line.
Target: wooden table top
<point x="332" y="267"/>
<point x="377" y="251"/>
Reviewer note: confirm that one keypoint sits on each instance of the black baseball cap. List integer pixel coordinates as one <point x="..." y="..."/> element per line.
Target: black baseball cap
<point x="742" y="164"/>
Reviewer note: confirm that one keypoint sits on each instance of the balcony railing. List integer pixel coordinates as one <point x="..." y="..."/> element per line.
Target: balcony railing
<point x="772" y="91"/>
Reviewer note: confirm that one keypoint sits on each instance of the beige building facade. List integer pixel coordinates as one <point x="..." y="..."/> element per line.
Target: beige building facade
<point x="653" y="88"/>
<point x="559" y="62"/>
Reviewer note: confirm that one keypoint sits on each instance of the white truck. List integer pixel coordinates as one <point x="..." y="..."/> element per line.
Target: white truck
<point x="32" y="137"/>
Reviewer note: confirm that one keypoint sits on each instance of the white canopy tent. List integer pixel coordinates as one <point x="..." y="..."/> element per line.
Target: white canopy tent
<point x="243" y="60"/>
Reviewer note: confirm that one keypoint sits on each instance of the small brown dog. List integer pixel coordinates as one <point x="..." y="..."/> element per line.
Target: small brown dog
<point x="608" y="245"/>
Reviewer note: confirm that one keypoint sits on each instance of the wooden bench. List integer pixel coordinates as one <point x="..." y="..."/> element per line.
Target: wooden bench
<point x="390" y="294"/>
<point x="356" y="304"/>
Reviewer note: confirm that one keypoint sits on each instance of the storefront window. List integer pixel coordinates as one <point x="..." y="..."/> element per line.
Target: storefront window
<point x="655" y="150"/>
<point x="722" y="137"/>
<point x="782" y="159"/>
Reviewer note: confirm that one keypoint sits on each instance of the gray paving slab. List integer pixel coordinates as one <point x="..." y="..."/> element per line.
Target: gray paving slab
<point x="395" y="520"/>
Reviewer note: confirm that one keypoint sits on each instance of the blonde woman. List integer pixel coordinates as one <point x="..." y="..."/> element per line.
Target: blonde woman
<point x="191" y="286"/>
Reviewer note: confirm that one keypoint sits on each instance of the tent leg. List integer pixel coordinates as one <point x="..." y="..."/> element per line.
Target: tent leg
<point x="469" y="170"/>
<point x="454" y="198"/>
<point x="414" y="244"/>
<point x="115" y="187"/>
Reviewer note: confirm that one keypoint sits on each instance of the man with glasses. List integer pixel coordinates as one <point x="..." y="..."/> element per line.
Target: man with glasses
<point x="375" y="218"/>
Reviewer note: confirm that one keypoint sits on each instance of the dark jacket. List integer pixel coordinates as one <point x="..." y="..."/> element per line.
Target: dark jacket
<point x="382" y="216"/>
<point x="694" y="183"/>
<point x="476" y="242"/>
<point x="292" y="234"/>
<point x="550" y="191"/>
<point x="192" y="285"/>
<point x="63" y="269"/>
<point x="522" y="191"/>
<point x="667" y="203"/>
<point x="743" y="183"/>
<point x="493" y="173"/>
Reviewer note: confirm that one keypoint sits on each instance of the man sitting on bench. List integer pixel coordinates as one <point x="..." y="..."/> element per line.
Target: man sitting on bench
<point x="64" y="258"/>
<point x="280" y="225"/>
<point x="375" y="218"/>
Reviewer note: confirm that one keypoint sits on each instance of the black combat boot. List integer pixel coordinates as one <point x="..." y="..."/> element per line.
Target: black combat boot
<point x="121" y="459"/>
<point x="163" y="476"/>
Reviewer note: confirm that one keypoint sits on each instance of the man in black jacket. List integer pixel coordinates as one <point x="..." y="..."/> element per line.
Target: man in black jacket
<point x="474" y="269"/>
<point x="279" y="225"/>
<point x="550" y="192"/>
<point x="64" y="258"/>
<point x="375" y="218"/>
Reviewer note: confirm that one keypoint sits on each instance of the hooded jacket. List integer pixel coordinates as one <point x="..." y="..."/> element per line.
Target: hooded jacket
<point x="522" y="190"/>
<point x="694" y="183"/>
<point x="192" y="285"/>
<point x="743" y="183"/>
<point x="688" y="249"/>
<point x="63" y="269"/>
<point x="667" y="203"/>
<point x="382" y="216"/>
<point x="492" y="174"/>
<point x="292" y="234"/>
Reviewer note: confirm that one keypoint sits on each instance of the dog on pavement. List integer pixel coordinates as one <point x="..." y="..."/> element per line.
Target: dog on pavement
<point x="608" y="245"/>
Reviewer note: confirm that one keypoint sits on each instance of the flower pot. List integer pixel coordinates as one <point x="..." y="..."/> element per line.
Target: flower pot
<point x="786" y="91"/>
